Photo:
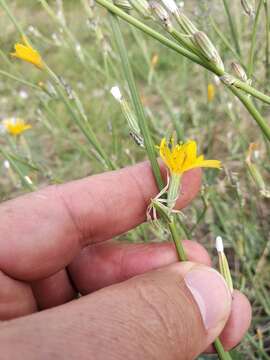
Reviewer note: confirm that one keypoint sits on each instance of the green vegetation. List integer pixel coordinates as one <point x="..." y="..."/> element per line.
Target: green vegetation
<point x="78" y="128"/>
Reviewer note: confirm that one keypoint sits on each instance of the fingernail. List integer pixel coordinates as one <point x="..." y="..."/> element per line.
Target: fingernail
<point x="211" y="294"/>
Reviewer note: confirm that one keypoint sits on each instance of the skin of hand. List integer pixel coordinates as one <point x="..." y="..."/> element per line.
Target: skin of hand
<point x="138" y="301"/>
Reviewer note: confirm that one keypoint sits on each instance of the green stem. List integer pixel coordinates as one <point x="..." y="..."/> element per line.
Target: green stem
<point x="260" y="350"/>
<point x="253" y="40"/>
<point x="253" y="111"/>
<point x="81" y="122"/>
<point x="251" y="90"/>
<point x="220" y="350"/>
<point x="12" y="18"/>
<point x="267" y="35"/>
<point x="182" y="256"/>
<point x="240" y="85"/>
<point x="142" y="121"/>
<point x="162" y="39"/>
<point x="177" y="241"/>
<point x="20" y="80"/>
<point x="186" y="43"/>
<point x="153" y="74"/>
<point x="225" y="41"/>
<point x="179" y="49"/>
<point x="232" y="27"/>
<point x="17" y="169"/>
<point x="144" y="128"/>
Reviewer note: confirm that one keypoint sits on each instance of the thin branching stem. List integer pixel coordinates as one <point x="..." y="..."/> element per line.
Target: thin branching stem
<point x="253" y="40"/>
<point x="246" y="101"/>
<point x="79" y="120"/>
<point x="136" y="100"/>
<point x="150" y="147"/>
<point x="11" y="17"/>
<point x="267" y="39"/>
<point x="232" y="26"/>
<point x="19" y="79"/>
<point x="179" y="49"/>
<point x="225" y="41"/>
<point x="211" y="67"/>
<point x="142" y="121"/>
<point x="27" y="184"/>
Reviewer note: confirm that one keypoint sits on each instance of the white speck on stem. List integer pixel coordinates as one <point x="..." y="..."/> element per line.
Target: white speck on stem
<point x="6" y="164"/>
<point x="219" y="244"/>
<point x="116" y="93"/>
<point x="27" y="178"/>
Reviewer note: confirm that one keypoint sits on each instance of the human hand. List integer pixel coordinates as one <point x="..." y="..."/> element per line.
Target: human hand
<point x="54" y="244"/>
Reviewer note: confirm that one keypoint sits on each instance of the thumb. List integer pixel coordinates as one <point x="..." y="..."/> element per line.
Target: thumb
<point x="171" y="313"/>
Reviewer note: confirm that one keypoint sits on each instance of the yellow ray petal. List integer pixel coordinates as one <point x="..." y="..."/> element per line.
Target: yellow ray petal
<point x="26" y="53"/>
<point x="208" y="163"/>
<point x="191" y="151"/>
<point x="165" y="153"/>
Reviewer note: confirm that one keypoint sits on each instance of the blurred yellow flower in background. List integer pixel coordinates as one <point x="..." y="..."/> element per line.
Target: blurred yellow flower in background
<point x="211" y="92"/>
<point x="26" y="53"/>
<point x="16" y="126"/>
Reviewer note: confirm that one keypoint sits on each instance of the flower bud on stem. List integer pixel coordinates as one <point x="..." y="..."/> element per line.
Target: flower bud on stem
<point x="123" y="4"/>
<point x="142" y="7"/>
<point x="239" y="71"/>
<point x="208" y="49"/>
<point x="173" y="191"/>
<point x="161" y="14"/>
<point x="223" y="263"/>
<point x="134" y="129"/>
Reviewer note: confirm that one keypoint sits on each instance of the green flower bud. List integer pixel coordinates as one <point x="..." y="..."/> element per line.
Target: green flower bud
<point x="208" y="49"/>
<point x="123" y="4"/>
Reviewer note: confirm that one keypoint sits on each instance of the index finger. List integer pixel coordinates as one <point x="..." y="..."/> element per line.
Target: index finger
<point x="43" y="231"/>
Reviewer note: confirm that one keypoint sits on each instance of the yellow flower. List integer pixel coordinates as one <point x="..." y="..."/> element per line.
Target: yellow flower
<point x="26" y="53"/>
<point x="211" y="91"/>
<point x="16" y="127"/>
<point x="183" y="157"/>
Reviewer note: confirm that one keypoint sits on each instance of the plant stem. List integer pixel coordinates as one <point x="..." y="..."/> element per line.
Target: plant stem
<point x="253" y="111"/>
<point x="225" y="41"/>
<point x="11" y="17"/>
<point x="260" y="351"/>
<point x="240" y="85"/>
<point x="177" y="241"/>
<point x="80" y="120"/>
<point x="20" y="80"/>
<point x="179" y="49"/>
<point x="144" y="127"/>
<point x="71" y="41"/>
<point x="153" y="74"/>
<point x="232" y="27"/>
<point x="223" y="355"/>
<point x="142" y="121"/>
<point x="267" y="36"/>
<point x="220" y="350"/>
<point x="27" y="184"/>
<point x="251" y="90"/>
<point x="186" y="43"/>
<point x="138" y="24"/>
<point x="253" y="40"/>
